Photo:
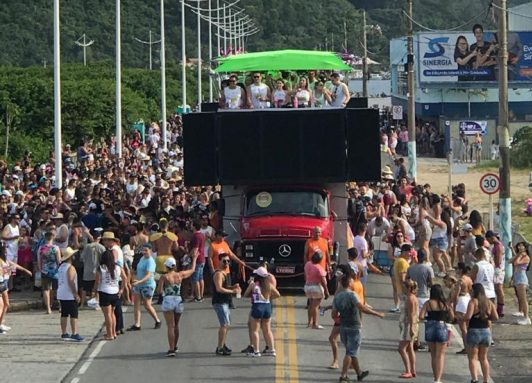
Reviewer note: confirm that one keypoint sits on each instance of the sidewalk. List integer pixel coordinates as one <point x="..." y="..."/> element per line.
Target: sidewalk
<point x="25" y="300"/>
<point x="33" y="351"/>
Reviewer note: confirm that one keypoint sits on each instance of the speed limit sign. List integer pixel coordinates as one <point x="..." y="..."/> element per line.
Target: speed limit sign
<point x="490" y="183"/>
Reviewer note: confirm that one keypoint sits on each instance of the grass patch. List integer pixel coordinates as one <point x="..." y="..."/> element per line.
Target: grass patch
<point x="519" y="218"/>
<point x="488" y="165"/>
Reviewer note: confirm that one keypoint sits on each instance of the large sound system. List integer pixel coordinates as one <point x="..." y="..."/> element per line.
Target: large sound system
<point x="281" y="146"/>
<point x="357" y="102"/>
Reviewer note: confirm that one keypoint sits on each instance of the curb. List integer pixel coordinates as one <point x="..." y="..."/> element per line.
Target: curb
<point x="24" y="305"/>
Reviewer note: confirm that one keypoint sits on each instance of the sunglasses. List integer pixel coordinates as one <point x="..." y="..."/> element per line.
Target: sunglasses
<point x="226" y="261"/>
<point x="256" y="76"/>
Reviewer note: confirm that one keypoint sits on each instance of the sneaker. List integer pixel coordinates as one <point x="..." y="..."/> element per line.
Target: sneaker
<point x="176" y="350"/>
<point x="362" y="375"/>
<point x="77" y="338"/>
<point x="523" y="321"/>
<point x="2" y="332"/>
<point x="247" y="349"/>
<point x="133" y="328"/>
<point x="170" y="353"/>
<point x="227" y="349"/>
<point x="198" y="300"/>
<point x="157" y="325"/>
<point x="4" y="327"/>
<point x="518" y="314"/>
<point x="269" y="353"/>
<point x="395" y="310"/>
<point x="221" y="351"/>
<point x="344" y="379"/>
<point x="266" y="349"/>
<point x="253" y="354"/>
<point x="441" y="274"/>
<point x="66" y="337"/>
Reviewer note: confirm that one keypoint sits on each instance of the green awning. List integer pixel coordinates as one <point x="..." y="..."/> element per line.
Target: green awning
<point x="290" y="59"/>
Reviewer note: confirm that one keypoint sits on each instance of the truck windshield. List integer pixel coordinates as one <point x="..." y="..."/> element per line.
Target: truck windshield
<point x="309" y="203"/>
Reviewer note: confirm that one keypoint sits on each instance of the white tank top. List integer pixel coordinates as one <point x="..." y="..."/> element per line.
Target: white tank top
<point x="12" y="244"/>
<point x="279" y="96"/>
<point x="485" y="278"/>
<point x="303" y="96"/>
<point x="256" y="92"/>
<point x="410" y="233"/>
<point x="233" y="97"/>
<point x="338" y="92"/>
<point x="64" y="293"/>
<point x="109" y="285"/>
<point x="439" y="232"/>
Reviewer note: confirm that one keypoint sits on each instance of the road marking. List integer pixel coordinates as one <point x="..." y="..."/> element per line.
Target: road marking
<point x="75" y="380"/>
<point x="279" y="340"/>
<point x="91" y="358"/>
<point x="293" y="368"/>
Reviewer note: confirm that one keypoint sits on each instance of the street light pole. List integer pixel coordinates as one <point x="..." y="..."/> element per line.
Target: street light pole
<point x="365" y="60"/>
<point x="183" y="59"/>
<point x="150" y="42"/>
<point x="118" y="83"/>
<point x="210" y="53"/>
<point x="199" y="57"/>
<point x="57" y="100"/>
<point x="218" y="26"/>
<point x="163" y="79"/>
<point x="225" y="33"/>
<point x="84" y="44"/>
<point x="505" y="202"/>
<point x="412" y="162"/>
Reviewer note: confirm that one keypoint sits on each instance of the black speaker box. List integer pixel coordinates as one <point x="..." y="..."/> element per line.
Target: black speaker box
<point x="357" y="102"/>
<point x="363" y="145"/>
<point x="199" y="143"/>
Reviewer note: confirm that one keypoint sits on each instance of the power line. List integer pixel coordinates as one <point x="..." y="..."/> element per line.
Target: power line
<point x="448" y="29"/>
<point x="510" y="11"/>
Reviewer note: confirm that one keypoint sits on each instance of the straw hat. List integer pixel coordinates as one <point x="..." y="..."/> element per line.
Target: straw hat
<point x="67" y="253"/>
<point x="387" y="170"/>
<point x="109" y="235"/>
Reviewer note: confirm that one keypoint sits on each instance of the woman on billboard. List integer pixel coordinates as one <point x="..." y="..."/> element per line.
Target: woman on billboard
<point x="463" y="57"/>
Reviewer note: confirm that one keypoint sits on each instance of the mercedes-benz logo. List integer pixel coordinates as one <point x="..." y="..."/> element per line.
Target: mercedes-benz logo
<point x="285" y="250"/>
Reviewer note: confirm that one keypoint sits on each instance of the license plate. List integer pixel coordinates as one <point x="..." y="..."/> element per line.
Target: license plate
<point x="285" y="269"/>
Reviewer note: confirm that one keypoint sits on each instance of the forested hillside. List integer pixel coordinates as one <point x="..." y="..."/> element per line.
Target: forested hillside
<point x="26" y="35"/>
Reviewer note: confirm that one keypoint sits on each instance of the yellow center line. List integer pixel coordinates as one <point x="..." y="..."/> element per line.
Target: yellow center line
<point x="279" y="340"/>
<point x="293" y="368"/>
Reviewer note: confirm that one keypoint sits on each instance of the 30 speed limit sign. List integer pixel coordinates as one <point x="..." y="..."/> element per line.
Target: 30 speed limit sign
<point x="490" y="183"/>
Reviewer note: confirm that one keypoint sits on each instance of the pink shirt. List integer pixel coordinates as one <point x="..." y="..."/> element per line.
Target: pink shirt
<point x="313" y="273"/>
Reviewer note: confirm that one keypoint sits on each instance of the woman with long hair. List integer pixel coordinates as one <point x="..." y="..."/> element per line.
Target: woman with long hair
<point x="423" y="225"/>
<point x="480" y="312"/>
<point x="261" y="291"/>
<point x="436" y="312"/>
<point x="475" y="220"/>
<point x="521" y="263"/>
<point x="438" y="241"/>
<point x="409" y="326"/>
<point x="460" y="297"/>
<point x="315" y="288"/>
<point x="109" y="291"/>
<point x="170" y="286"/>
<point x="394" y="251"/>
<point x="303" y="94"/>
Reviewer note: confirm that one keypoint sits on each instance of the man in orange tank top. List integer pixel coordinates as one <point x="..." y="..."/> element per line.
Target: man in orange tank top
<point x="318" y="244"/>
<point x="220" y="246"/>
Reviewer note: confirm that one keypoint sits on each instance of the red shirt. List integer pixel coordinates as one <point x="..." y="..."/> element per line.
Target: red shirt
<point x="198" y="242"/>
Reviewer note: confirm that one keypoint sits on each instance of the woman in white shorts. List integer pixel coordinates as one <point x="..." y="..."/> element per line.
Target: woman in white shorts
<point x="315" y="288"/>
<point x="170" y="286"/>
<point x="460" y="298"/>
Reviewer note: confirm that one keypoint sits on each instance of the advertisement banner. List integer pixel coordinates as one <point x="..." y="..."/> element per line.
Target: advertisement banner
<point x="471" y="128"/>
<point x="467" y="57"/>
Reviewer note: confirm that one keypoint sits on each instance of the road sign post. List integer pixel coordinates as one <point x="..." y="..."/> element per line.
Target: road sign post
<point x="490" y="184"/>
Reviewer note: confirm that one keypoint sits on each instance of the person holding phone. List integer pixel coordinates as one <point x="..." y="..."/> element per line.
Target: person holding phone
<point x="521" y="264"/>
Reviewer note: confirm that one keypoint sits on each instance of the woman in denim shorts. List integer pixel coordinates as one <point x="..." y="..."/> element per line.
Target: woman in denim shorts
<point x="480" y="312"/>
<point x="436" y="311"/>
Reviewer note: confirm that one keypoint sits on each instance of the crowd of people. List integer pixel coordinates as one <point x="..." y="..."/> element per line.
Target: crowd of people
<point x="123" y="230"/>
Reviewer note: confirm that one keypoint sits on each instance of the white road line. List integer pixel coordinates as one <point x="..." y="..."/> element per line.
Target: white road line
<point x="91" y="358"/>
<point x="75" y="380"/>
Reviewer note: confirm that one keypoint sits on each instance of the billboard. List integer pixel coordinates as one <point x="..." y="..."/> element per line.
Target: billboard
<point x="467" y="57"/>
<point x="471" y="128"/>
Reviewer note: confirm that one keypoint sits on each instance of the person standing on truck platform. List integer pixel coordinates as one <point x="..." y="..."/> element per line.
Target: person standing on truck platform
<point x="339" y="92"/>
<point x="317" y="243"/>
<point x="259" y="94"/>
<point x="233" y="96"/>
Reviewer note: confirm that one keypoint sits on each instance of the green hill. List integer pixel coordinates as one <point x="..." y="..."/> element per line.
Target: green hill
<point x="26" y="35"/>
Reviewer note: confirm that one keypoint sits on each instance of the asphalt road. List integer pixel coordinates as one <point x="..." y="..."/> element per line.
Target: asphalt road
<point x="303" y="355"/>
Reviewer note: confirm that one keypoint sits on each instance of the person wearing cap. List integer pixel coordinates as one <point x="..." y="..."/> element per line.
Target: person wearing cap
<point x="164" y="244"/>
<point x="218" y="247"/>
<point x="467" y="253"/>
<point x="339" y="92"/>
<point x="497" y="251"/>
<point x="144" y="287"/>
<point x="261" y="291"/>
<point x="90" y="257"/>
<point x="67" y="294"/>
<point x="170" y="287"/>
<point x="61" y="238"/>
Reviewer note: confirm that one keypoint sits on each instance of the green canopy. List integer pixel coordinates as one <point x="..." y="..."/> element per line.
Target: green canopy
<point x="290" y="59"/>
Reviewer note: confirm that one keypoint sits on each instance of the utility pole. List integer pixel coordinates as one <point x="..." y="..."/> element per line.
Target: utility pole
<point x="84" y="44"/>
<point x="183" y="59"/>
<point x="365" y="59"/>
<point x="118" y="80"/>
<point x="345" y="36"/>
<point x="58" y="152"/>
<point x="199" y="58"/>
<point x="163" y="79"/>
<point x="218" y="27"/>
<point x="150" y="42"/>
<point x="411" y="115"/>
<point x="505" y="202"/>
<point x="210" y="53"/>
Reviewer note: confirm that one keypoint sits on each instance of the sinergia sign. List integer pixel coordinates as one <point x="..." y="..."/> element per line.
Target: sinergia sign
<point x="471" y="128"/>
<point x="466" y="57"/>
